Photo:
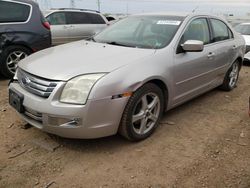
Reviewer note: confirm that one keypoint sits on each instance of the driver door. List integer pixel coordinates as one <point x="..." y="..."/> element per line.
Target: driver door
<point x="192" y="70"/>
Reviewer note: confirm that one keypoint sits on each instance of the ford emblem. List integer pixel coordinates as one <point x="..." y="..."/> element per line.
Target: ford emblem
<point x="25" y="81"/>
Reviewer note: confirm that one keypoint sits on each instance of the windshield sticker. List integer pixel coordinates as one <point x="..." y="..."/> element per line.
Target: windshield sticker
<point x="168" y="22"/>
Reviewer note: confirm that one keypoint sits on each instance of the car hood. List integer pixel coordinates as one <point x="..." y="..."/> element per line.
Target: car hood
<point x="67" y="61"/>
<point x="247" y="39"/>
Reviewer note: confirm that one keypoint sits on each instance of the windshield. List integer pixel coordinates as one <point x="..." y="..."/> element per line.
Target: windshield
<point x="243" y="29"/>
<point x="152" y="32"/>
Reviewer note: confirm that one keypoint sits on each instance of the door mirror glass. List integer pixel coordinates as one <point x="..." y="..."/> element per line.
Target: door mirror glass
<point x="193" y="46"/>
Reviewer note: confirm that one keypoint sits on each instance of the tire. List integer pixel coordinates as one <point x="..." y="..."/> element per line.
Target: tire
<point x="140" y="117"/>
<point x="231" y="78"/>
<point x="11" y="54"/>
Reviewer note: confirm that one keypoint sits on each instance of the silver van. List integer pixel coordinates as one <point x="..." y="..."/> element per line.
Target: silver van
<point x="68" y="25"/>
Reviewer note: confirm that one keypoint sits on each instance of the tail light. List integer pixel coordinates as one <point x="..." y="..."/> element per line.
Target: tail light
<point x="46" y="25"/>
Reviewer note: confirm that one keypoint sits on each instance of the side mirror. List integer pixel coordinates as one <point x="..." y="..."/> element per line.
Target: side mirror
<point x="193" y="46"/>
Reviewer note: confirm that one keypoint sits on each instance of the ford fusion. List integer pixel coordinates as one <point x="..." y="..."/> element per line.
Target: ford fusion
<point x="124" y="78"/>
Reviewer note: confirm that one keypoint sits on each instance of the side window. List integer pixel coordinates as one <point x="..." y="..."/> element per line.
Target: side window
<point x="95" y="18"/>
<point x="13" y="12"/>
<point x="57" y="18"/>
<point x="78" y="18"/>
<point x="220" y="30"/>
<point x="197" y="30"/>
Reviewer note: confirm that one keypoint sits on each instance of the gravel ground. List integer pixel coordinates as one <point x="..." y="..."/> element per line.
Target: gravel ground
<point x="203" y="143"/>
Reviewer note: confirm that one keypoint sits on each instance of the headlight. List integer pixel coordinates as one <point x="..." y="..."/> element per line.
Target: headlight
<point x="77" y="90"/>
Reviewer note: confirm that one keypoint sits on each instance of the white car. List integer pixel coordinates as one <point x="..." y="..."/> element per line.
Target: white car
<point x="244" y="30"/>
<point x="68" y="25"/>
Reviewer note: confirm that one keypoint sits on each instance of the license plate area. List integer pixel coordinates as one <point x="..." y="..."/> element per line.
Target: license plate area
<point x="16" y="100"/>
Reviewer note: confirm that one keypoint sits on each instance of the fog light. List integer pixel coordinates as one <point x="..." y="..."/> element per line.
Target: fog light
<point x="58" y="121"/>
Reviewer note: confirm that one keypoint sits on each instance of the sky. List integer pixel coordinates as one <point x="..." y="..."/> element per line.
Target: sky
<point x="236" y="7"/>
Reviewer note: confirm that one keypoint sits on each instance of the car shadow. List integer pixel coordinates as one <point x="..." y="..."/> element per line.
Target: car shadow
<point x="116" y="142"/>
<point x="2" y="78"/>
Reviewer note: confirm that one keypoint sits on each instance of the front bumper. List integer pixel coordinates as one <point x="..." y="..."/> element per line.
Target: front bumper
<point x="95" y="119"/>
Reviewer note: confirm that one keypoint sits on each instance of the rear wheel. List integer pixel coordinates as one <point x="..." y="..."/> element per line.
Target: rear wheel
<point x="142" y="113"/>
<point x="10" y="58"/>
<point x="231" y="78"/>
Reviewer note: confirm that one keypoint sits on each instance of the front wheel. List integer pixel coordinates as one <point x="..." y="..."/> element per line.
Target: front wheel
<point x="142" y="113"/>
<point x="231" y="78"/>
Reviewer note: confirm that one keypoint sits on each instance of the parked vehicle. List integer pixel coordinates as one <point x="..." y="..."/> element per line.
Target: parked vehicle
<point x="244" y="30"/>
<point x="23" y="30"/>
<point x="123" y="79"/>
<point x="68" y="25"/>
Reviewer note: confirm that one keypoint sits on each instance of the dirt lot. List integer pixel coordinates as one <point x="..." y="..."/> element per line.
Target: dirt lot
<point x="204" y="143"/>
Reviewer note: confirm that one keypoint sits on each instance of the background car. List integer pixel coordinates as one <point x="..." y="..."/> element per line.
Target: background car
<point x="68" y="25"/>
<point x="131" y="73"/>
<point x="23" y="30"/>
<point x="244" y="30"/>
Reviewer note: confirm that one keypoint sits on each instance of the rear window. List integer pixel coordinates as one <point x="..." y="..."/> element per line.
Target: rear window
<point x="96" y="19"/>
<point x="78" y="18"/>
<point x="57" y="18"/>
<point x="13" y="12"/>
<point x="220" y="29"/>
<point x="84" y="18"/>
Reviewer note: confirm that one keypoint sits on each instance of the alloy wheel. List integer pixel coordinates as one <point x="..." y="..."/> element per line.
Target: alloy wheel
<point x="13" y="59"/>
<point x="233" y="76"/>
<point x="146" y="113"/>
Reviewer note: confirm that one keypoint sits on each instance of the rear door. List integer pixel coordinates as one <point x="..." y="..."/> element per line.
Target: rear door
<point x="59" y="27"/>
<point x="81" y="26"/>
<point x="226" y="48"/>
<point x="99" y="21"/>
<point x="84" y="25"/>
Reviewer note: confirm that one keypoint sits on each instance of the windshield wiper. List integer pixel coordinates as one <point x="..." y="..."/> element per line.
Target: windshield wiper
<point x="120" y="44"/>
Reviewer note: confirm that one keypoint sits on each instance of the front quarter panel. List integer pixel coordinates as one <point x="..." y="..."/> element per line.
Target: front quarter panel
<point x="132" y="76"/>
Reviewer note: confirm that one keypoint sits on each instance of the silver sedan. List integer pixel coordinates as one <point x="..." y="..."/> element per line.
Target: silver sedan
<point x="124" y="78"/>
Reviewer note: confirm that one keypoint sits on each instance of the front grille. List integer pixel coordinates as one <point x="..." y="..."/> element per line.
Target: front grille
<point x="36" y="85"/>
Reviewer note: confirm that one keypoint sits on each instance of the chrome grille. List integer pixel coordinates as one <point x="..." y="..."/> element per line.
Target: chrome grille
<point x="36" y="85"/>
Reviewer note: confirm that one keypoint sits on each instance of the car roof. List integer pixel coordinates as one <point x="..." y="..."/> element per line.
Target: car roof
<point x="71" y="9"/>
<point x="247" y="23"/>
<point x="23" y="1"/>
<point x="177" y="14"/>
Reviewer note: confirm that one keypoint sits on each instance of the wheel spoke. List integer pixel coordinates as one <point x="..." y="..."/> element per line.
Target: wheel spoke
<point x="10" y="62"/>
<point x="153" y="117"/>
<point x="144" y="103"/>
<point x="138" y="116"/>
<point x="152" y="105"/>
<point x="143" y="125"/>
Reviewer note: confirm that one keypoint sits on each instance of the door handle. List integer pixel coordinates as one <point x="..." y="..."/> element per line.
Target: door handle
<point x="211" y="54"/>
<point x="68" y="26"/>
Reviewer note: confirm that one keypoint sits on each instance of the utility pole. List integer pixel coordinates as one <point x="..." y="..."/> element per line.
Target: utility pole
<point x="72" y="4"/>
<point x="99" y="5"/>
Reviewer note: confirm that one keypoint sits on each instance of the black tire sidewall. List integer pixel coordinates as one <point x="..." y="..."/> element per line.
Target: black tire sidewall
<point x="148" y="88"/>
<point x="3" y="58"/>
